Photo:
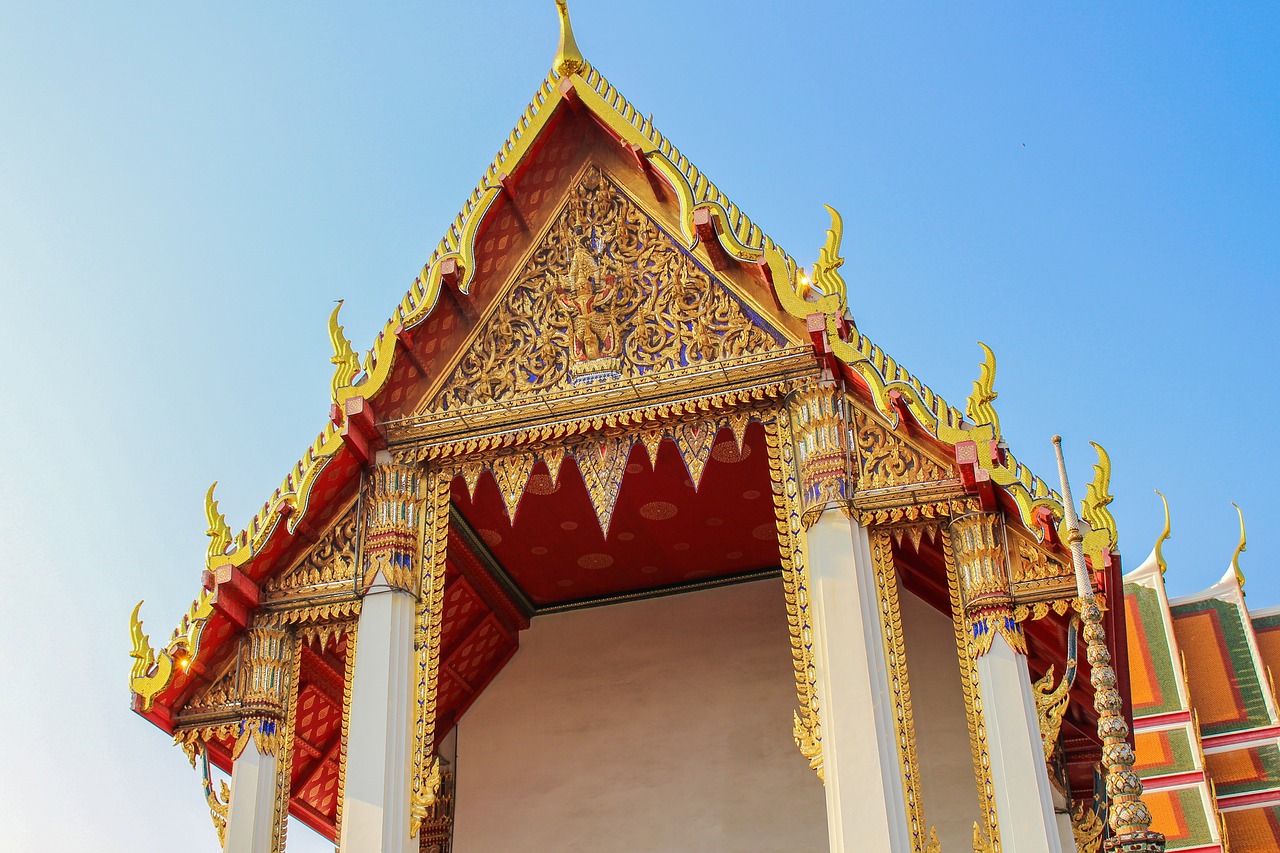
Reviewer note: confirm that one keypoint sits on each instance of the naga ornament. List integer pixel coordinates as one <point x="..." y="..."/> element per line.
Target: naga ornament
<point x="219" y="533"/>
<point x="345" y="361"/>
<point x="979" y="406"/>
<point x="826" y="270"/>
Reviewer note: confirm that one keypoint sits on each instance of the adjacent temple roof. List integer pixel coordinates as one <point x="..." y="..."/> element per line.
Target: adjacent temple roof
<point x="1207" y="731"/>
<point x="441" y="307"/>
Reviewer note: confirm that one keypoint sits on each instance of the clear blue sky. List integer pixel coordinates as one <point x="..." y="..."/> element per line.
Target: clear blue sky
<point x="1091" y="188"/>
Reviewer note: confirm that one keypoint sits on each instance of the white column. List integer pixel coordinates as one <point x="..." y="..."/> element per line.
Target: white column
<point x="866" y="804"/>
<point x="251" y="818"/>
<point x="1024" y="800"/>
<point x="375" y="797"/>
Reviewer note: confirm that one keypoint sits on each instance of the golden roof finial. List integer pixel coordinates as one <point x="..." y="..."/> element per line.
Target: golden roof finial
<point x="978" y="407"/>
<point x="345" y="360"/>
<point x="826" y="273"/>
<point x="1235" y="558"/>
<point x="1164" y="535"/>
<point x="219" y="533"/>
<point x="568" y="58"/>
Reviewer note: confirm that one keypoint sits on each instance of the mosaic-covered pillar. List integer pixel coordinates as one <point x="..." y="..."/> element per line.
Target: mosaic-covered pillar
<point x="866" y="804"/>
<point x="377" y="783"/>
<point x="1023" y="798"/>
<point x="258" y="814"/>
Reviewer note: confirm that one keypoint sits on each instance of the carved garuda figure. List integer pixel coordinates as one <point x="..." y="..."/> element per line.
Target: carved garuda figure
<point x="588" y="292"/>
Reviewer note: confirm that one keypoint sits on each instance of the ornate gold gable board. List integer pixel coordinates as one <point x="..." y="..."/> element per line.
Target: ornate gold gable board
<point x="607" y="294"/>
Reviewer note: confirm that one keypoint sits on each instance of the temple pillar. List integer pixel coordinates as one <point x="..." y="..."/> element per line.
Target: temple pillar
<point x="866" y="804"/>
<point x="1023" y="797"/>
<point x="375" y="792"/>
<point x="258" y="813"/>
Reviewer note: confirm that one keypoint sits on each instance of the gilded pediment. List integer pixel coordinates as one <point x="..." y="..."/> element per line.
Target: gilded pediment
<point x="606" y="295"/>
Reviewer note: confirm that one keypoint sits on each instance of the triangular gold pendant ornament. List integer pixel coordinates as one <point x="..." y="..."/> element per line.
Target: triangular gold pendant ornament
<point x="602" y="464"/>
<point x="694" y="441"/>
<point x="471" y="472"/>
<point x="652" y="441"/>
<point x="512" y="475"/>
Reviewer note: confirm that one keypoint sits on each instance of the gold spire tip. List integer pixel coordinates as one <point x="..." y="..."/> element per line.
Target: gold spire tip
<point x="1235" y="558"/>
<point x="568" y="58"/>
<point x="1165" y="535"/>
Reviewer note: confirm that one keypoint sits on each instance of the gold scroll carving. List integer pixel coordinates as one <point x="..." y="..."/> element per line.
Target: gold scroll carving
<point x="972" y="703"/>
<point x="391" y="536"/>
<point x="899" y="684"/>
<point x="819" y="420"/>
<point x="887" y="461"/>
<point x="426" y="643"/>
<point x="607" y="294"/>
<point x="795" y="585"/>
<point x="330" y="562"/>
<point x="978" y="540"/>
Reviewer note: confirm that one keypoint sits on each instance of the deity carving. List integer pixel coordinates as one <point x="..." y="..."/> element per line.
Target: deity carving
<point x="587" y="292"/>
<point x="606" y="295"/>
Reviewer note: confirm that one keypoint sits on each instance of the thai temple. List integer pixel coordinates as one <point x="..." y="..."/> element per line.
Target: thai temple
<point x="623" y="535"/>
<point x="1206" y="728"/>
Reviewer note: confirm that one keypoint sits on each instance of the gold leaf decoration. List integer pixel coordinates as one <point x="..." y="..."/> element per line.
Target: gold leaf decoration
<point x="606" y="284"/>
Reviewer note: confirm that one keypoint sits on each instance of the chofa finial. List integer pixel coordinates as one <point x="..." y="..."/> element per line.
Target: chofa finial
<point x="1165" y="535"/>
<point x="979" y="406"/>
<point x="1235" y="558"/>
<point x="568" y="58"/>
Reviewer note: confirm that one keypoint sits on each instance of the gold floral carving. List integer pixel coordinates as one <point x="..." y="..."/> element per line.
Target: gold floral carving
<point x="511" y="472"/>
<point x="980" y="556"/>
<point x="223" y="694"/>
<point x="1086" y="828"/>
<point x="1034" y="565"/>
<point x="284" y="765"/>
<point x="348" y="679"/>
<point x="426" y="642"/>
<point x="219" y="801"/>
<point x="1040" y="609"/>
<point x="819" y="419"/>
<point x="437" y="827"/>
<point x="602" y="461"/>
<point x="795" y="585"/>
<point x="391" y="535"/>
<point x="972" y="702"/>
<point x="606" y="283"/>
<point x="330" y="562"/>
<point x="899" y="684"/>
<point x="888" y="461"/>
<point x="1051" y="707"/>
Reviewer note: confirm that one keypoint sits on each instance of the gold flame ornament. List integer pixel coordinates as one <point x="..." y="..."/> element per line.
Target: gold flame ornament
<point x="1164" y="535"/>
<point x="978" y="407"/>
<point x="219" y="533"/>
<point x="826" y="275"/>
<point x="568" y="58"/>
<point x="149" y="675"/>
<point x="344" y="359"/>
<point x="1235" y="558"/>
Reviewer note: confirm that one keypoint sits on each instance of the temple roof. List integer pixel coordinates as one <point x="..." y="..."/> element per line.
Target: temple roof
<point x="321" y="484"/>
<point x="1207" y="736"/>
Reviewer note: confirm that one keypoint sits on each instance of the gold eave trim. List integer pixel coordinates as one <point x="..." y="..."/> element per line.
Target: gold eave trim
<point x="620" y="403"/>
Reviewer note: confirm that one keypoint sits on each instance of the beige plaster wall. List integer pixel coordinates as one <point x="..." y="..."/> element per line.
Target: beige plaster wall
<point x="942" y="732"/>
<point x="659" y="725"/>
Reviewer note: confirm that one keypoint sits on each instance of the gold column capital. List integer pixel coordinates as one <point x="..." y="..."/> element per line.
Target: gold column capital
<point x="982" y="564"/>
<point x="392" y="534"/>
<point x="268" y="654"/>
<point x="820" y="423"/>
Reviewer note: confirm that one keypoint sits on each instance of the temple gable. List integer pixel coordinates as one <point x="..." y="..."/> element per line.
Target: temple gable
<point x="606" y="294"/>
